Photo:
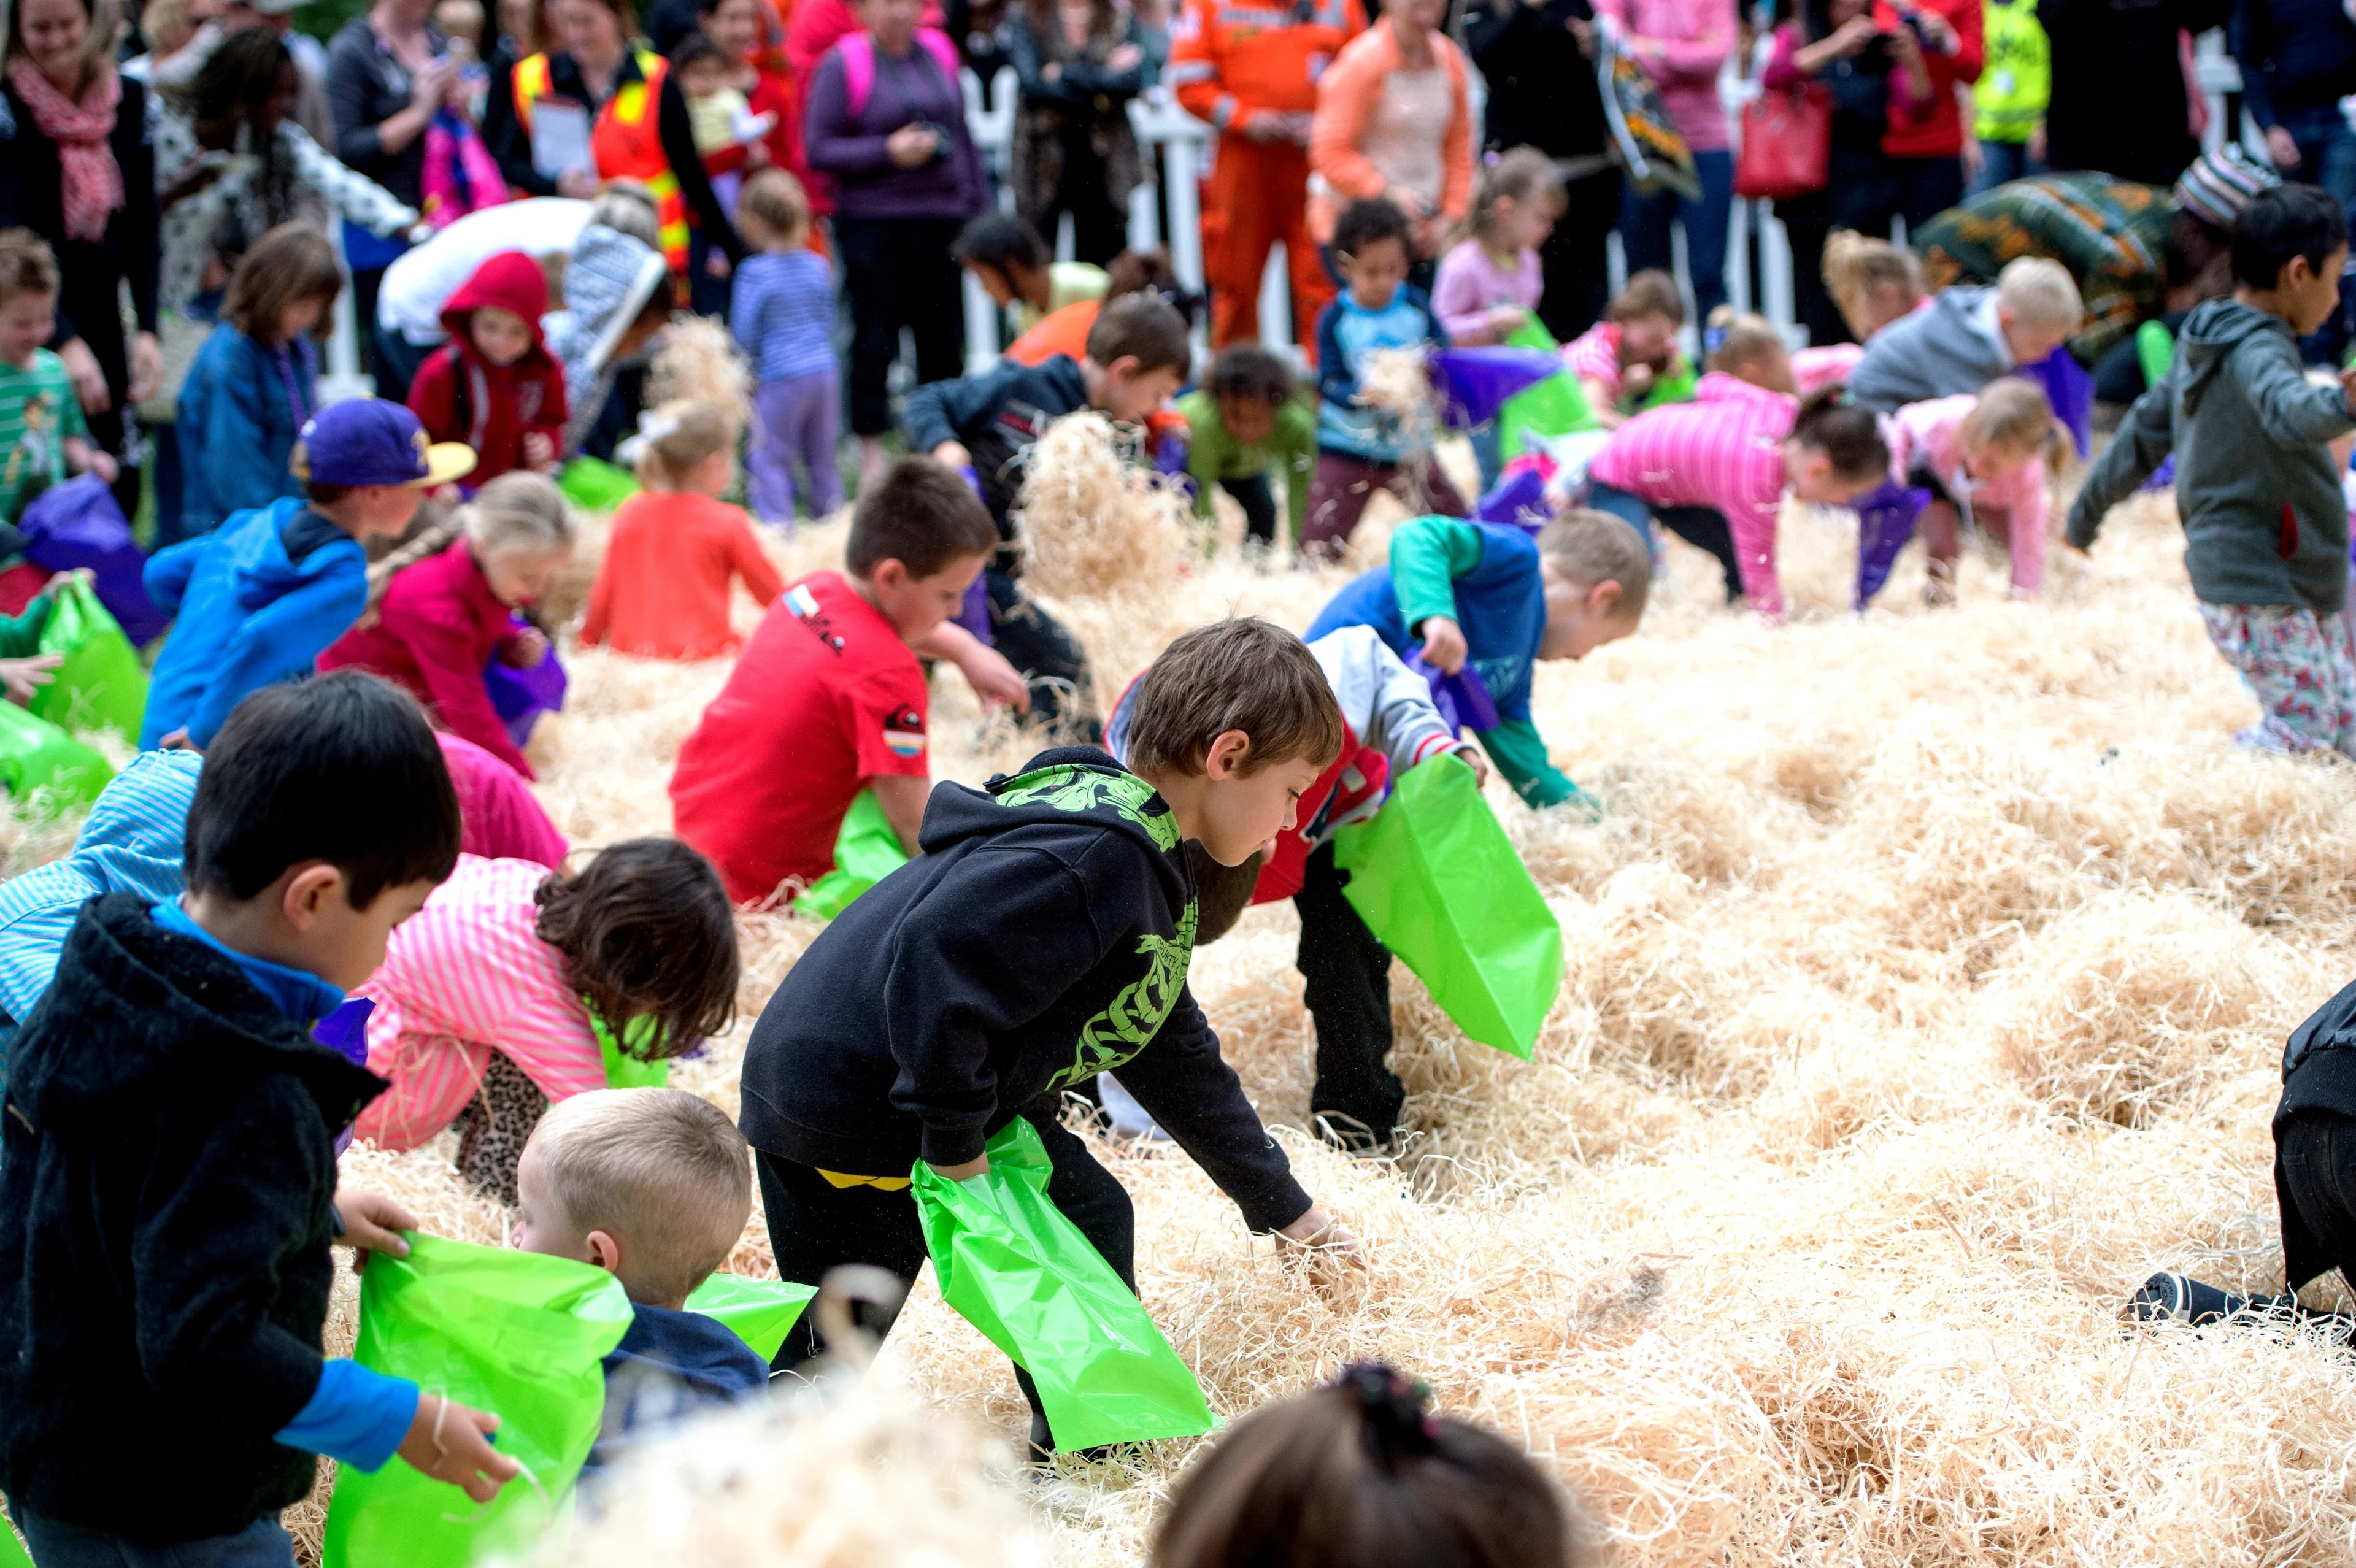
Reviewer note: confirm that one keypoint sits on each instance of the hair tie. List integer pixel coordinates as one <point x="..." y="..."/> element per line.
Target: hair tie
<point x="653" y="426"/>
<point x="1398" y="1415"/>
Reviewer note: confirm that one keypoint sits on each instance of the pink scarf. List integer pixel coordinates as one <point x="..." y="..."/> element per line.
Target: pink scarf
<point x="89" y="180"/>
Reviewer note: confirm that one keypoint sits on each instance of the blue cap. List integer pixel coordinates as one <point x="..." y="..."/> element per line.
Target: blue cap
<point x="369" y="440"/>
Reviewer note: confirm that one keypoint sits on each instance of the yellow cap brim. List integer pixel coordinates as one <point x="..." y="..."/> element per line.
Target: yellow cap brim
<point x="445" y="461"/>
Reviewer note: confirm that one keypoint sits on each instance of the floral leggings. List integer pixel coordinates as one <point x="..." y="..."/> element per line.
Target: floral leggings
<point x="2301" y="666"/>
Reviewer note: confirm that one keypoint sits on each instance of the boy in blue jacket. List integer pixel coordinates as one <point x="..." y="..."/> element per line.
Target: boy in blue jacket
<point x="258" y="601"/>
<point x="1489" y="596"/>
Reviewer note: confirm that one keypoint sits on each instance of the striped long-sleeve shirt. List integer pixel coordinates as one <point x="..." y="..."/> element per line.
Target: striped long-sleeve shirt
<point x="1724" y="450"/>
<point x="463" y="977"/>
<point x="782" y="314"/>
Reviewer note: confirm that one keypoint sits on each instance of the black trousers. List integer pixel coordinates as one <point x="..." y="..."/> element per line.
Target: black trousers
<point x="1862" y="194"/>
<point x="899" y="274"/>
<point x="1926" y="188"/>
<point x="815" y="1225"/>
<point x="2315" y="1187"/>
<point x="1573" y="261"/>
<point x="1704" y="527"/>
<point x="1049" y="656"/>
<point x="1348" y="989"/>
<point x="1099" y="227"/>
<point x="1252" y="494"/>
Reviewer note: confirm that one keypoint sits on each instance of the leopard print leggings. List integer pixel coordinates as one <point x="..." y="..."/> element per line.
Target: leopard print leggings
<point x="493" y="1128"/>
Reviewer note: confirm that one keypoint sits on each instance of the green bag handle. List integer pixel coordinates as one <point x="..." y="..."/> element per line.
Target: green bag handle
<point x="101" y="684"/>
<point x="761" y="1312"/>
<point x="518" y="1334"/>
<point x="2156" y="349"/>
<point x="1014" y="1266"/>
<point x="629" y="1069"/>
<point x="35" y="755"/>
<point x="1437" y="881"/>
<point x="866" y="852"/>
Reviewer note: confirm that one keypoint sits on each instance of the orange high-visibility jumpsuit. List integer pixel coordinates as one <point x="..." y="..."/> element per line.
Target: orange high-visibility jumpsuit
<point x="1229" y="60"/>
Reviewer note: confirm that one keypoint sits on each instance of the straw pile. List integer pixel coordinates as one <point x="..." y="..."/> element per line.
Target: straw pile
<point x="1926" y="988"/>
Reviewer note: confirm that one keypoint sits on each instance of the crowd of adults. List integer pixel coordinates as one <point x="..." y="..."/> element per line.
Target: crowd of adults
<point x="150" y="150"/>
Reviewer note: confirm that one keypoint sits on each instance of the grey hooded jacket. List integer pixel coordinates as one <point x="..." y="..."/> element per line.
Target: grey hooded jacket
<point x="2264" y="519"/>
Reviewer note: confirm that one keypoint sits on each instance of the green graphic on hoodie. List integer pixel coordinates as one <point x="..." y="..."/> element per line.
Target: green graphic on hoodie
<point x="1079" y="789"/>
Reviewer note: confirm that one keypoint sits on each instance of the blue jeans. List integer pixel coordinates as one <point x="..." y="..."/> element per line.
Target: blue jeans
<point x="2326" y="156"/>
<point x="1702" y="527"/>
<point x="2001" y="162"/>
<point x="260" y="1544"/>
<point x="1644" y="229"/>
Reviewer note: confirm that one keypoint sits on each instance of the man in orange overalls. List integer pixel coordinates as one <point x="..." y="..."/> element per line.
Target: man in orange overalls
<point x="1249" y="68"/>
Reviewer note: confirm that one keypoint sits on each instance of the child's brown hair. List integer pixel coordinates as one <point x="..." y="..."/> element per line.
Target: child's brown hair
<point x="678" y="436"/>
<point x="1649" y="292"/>
<point x="1745" y="342"/>
<point x="1856" y="267"/>
<point x="1591" y="547"/>
<point x="780" y="205"/>
<point x="290" y="265"/>
<point x="1848" y="435"/>
<point x="2013" y="415"/>
<point x="1242" y="673"/>
<point x="1250" y="373"/>
<point x="663" y="1170"/>
<point x="28" y="265"/>
<point x="646" y="932"/>
<point x="1524" y="176"/>
<point x="1145" y="328"/>
<point x="921" y="513"/>
<point x="1358" y="1474"/>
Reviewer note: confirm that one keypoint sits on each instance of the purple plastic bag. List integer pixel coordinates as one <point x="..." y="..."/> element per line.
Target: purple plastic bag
<point x="1518" y="499"/>
<point x="520" y="696"/>
<point x="2163" y="476"/>
<point x="344" y="1031"/>
<point x="1472" y="384"/>
<point x="77" y="524"/>
<point x="2070" y="388"/>
<point x="1463" y="699"/>
<point x="973" y="610"/>
<point x="1885" y="521"/>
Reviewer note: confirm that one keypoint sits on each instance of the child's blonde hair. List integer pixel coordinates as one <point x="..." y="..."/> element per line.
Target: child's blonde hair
<point x="1591" y="547"/>
<point x="778" y="202"/>
<point x="1524" y="176"/>
<point x="519" y="510"/>
<point x="167" y="25"/>
<point x="662" y="1171"/>
<point x="461" y="19"/>
<point x="1856" y="267"/>
<point x="1649" y="292"/>
<point x="677" y="436"/>
<point x="1745" y="340"/>
<point x="2013" y="415"/>
<point x="2041" y="293"/>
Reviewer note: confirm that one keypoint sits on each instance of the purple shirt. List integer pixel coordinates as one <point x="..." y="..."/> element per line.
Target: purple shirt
<point x="851" y="148"/>
<point x="1469" y="283"/>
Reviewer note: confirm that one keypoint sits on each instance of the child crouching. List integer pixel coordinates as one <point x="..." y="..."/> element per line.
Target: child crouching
<point x="1984" y="458"/>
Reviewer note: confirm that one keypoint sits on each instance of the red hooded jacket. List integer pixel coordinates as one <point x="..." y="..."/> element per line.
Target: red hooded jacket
<point x="458" y="395"/>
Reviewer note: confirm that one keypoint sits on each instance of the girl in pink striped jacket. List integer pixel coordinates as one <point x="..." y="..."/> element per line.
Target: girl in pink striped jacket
<point x="492" y="1000"/>
<point x="1985" y="456"/>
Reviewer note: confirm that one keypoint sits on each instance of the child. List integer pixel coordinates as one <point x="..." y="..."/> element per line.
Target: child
<point x="782" y="314"/>
<point x="1041" y="939"/>
<point x="1714" y="472"/>
<point x="662" y="589"/>
<point x="720" y="116"/>
<point x="2265" y="525"/>
<point x="1488" y="285"/>
<point x="1873" y="283"/>
<point x="653" y="1186"/>
<point x="494" y="385"/>
<point x="1969" y="337"/>
<point x="1015" y="268"/>
<point x="828" y="699"/>
<point x="42" y="435"/>
<point x="1490" y="595"/>
<point x="1138" y="355"/>
<point x="614" y="304"/>
<point x="1359" y="449"/>
<point x="1986" y="457"/>
<point x="445" y="618"/>
<point x="1064" y="330"/>
<point x="1750" y="348"/>
<point x="1632" y="354"/>
<point x="167" y="1189"/>
<point x="252" y="385"/>
<point x="1244" y="420"/>
<point x="1359" y="1474"/>
<point x="501" y="995"/>
<point x="260" y="599"/>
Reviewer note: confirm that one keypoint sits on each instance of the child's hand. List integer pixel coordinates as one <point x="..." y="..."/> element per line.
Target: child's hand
<point x="994" y="678"/>
<point x="1476" y="761"/>
<point x="1443" y="645"/>
<point x="1318" y="1239"/>
<point x="87" y="459"/>
<point x="23" y="677"/>
<point x="970" y="1169"/>
<point x="62" y="581"/>
<point x="953" y="454"/>
<point x="452" y="1442"/>
<point x="177" y="741"/>
<point x="1507" y="319"/>
<point x="524" y="650"/>
<point x="539" y="451"/>
<point x="1635" y="381"/>
<point x="372" y="1224"/>
<point x="716" y="263"/>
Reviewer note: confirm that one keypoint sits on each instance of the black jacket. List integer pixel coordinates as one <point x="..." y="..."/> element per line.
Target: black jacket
<point x="1041" y="938"/>
<point x="32" y="196"/>
<point x="1542" y="89"/>
<point x="997" y="416"/>
<point x="2118" y="85"/>
<point x="165" y="1191"/>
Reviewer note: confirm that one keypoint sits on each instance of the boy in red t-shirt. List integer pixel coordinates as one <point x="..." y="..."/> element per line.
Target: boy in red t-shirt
<point x="827" y="699"/>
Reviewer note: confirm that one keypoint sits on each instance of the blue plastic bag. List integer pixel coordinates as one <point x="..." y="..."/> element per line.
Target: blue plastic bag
<point x="520" y="696"/>
<point x="77" y="525"/>
<point x="1471" y="384"/>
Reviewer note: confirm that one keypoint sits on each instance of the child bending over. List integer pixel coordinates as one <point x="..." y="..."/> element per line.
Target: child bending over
<point x="1969" y="337"/>
<point x="1987" y="459"/>
<point x="1244" y="421"/>
<point x="1064" y="330"/>
<point x="260" y="598"/>
<point x="42" y="434"/>
<point x="167" y="1166"/>
<point x="1041" y="939"/>
<point x="1714" y="472"/>
<point x="782" y="314"/>
<point x="1632" y="354"/>
<point x="2265" y="522"/>
<point x="1018" y="270"/>
<point x="447" y="617"/>
<point x="494" y="385"/>
<point x="1873" y="283"/>
<point x="662" y="589"/>
<point x="653" y="1186"/>
<point x="514" y="988"/>
<point x="829" y="699"/>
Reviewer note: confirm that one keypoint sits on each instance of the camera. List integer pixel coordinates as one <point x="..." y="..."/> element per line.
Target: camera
<point x="940" y="136"/>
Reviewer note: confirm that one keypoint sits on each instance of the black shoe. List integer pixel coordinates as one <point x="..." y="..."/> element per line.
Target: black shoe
<point x="1040" y="1449"/>
<point x="2180" y="1298"/>
<point x="1338" y="1129"/>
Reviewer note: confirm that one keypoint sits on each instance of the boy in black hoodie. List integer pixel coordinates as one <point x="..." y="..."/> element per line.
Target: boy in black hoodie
<point x="1041" y="938"/>
<point x="1138" y="355"/>
<point x="167" y="1182"/>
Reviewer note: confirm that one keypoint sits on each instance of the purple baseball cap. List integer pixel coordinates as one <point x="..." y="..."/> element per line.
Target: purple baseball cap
<point x="368" y="441"/>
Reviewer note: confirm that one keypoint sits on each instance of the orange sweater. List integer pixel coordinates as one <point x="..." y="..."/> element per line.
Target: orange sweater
<point x="1230" y="59"/>
<point x="1348" y="97"/>
<point x="662" y="591"/>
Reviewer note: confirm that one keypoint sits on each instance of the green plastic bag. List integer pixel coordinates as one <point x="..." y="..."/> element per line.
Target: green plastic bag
<point x="101" y="684"/>
<point x="35" y="754"/>
<point x="1435" y="878"/>
<point x="865" y="852"/>
<point x="595" y="485"/>
<point x="12" y="1550"/>
<point x="2155" y="351"/>
<point x="518" y="1333"/>
<point x="1556" y="406"/>
<point x="1015" y="1268"/>
<point x="1677" y="387"/>
<point x="761" y="1312"/>
<point x="629" y="1069"/>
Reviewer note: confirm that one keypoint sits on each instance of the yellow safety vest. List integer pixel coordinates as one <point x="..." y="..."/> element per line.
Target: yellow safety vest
<point x="2017" y="81"/>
